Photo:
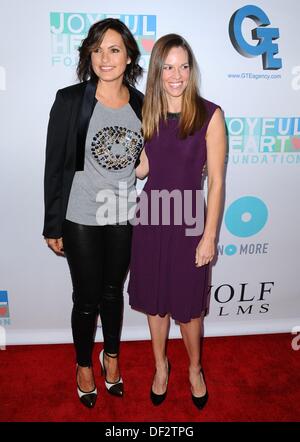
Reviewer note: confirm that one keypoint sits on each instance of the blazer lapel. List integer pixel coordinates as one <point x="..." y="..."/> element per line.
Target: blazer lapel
<point x="86" y="110"/>
<point x="136" y="101"/>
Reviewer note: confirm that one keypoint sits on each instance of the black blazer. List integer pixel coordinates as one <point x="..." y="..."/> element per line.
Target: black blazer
<point x="68" y="124"/>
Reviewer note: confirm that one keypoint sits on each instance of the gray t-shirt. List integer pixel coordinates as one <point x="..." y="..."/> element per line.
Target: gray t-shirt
<point x="104" y="192"/>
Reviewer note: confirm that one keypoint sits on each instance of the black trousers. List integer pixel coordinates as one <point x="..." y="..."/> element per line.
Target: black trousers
<point x="98" y="258"/>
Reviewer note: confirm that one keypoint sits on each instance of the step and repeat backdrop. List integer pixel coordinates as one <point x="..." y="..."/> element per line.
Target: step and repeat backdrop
<point x="249" y="59"/>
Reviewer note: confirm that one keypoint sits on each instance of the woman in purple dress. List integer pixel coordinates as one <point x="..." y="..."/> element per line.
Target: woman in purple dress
<point x="184" y="134"/>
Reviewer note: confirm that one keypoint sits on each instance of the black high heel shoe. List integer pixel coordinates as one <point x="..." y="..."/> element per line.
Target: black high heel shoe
<point x="200" y="401"/>
<point x="158" y="399"/>
<point x="114" y="388"/>
<point x="87" y="398"/>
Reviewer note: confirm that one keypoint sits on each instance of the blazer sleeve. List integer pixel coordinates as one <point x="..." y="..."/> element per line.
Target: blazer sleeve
<point x="136" y="102"/>
<point x="54" y="165"/>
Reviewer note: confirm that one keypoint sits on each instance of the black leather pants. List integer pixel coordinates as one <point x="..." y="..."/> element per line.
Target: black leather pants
<point x="98" y="258"/>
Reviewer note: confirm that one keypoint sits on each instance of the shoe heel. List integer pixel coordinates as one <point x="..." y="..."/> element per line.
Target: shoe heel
<point x="114" y="388"/>
<point x="158" y="399"/>
<point x="87" y="398"/>
<point x="201" y="401"/>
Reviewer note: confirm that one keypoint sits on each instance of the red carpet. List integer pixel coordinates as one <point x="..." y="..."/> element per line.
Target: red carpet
<point x="249" y="378"/>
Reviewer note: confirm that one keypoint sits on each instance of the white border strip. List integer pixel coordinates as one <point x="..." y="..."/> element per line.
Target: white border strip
<point x="64" y="336"/>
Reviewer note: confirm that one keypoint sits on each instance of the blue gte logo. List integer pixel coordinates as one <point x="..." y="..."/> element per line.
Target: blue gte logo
<point x="265" y="36"/>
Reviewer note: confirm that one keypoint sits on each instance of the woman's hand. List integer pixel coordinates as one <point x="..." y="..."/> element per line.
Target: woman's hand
<point x="56" y="244"/>
<point x="142" y="169"/>
<point x="205" y="251"/>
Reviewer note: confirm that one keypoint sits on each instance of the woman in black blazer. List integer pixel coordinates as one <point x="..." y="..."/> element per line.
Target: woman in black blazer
<point x="93" y="144"/>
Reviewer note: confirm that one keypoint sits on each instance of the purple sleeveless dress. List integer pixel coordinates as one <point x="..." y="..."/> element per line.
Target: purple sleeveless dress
<point x="163" y="275"/>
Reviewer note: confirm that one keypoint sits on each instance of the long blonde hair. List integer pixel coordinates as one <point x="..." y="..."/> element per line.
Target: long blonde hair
<point x="193" y="112"/>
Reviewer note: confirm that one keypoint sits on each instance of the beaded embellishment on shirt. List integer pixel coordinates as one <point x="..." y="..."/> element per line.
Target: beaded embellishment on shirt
<point x="116" y="147"/>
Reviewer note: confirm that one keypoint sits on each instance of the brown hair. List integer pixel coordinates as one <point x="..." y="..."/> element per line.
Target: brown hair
<point x="95" y="36"/>
<point x="193" y="112"/>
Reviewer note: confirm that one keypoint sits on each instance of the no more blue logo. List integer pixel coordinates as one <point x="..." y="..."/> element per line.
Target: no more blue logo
<point x="246" y="216"/>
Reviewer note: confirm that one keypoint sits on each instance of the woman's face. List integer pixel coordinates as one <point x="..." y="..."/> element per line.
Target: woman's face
<point x="109" y="59"/>
<point x="176" y="72"/>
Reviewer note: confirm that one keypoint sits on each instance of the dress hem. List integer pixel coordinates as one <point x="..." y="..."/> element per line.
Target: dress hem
<point x="184" y="321"/>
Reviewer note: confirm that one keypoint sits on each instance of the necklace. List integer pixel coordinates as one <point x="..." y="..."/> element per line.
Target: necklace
<point x="173" y="115"/>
